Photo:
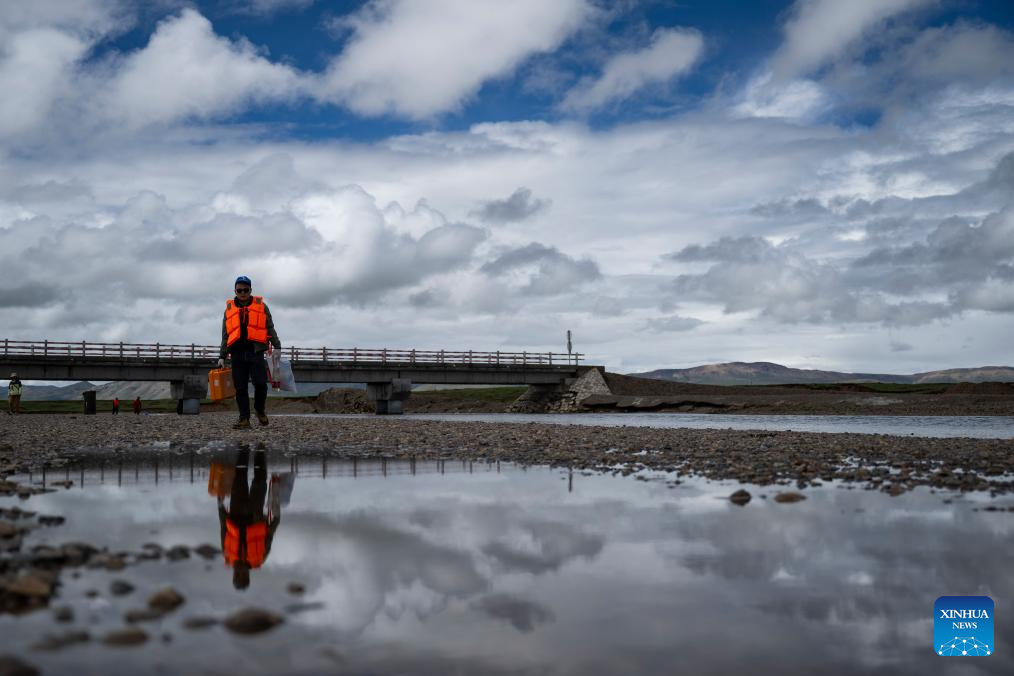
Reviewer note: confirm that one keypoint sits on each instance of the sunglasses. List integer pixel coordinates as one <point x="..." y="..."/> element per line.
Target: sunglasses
<point x="238" y="290"/>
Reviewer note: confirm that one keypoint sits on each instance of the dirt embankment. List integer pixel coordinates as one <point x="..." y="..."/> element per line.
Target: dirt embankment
<point x="630" y="393"/>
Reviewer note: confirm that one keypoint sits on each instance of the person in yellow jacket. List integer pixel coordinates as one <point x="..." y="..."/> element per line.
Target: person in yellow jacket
<point x="247" y="329"/>
<point x="14" y="395"/>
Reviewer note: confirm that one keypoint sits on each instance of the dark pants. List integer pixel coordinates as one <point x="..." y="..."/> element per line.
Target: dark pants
<point x="247" y="502"/>
<point x="250" y="367"/>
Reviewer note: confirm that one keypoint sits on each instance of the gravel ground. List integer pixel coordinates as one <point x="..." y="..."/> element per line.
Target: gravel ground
<point x="894" y="464"/>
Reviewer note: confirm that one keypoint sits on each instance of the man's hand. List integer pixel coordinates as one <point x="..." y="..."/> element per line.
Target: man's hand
<point x="221" y="363"/>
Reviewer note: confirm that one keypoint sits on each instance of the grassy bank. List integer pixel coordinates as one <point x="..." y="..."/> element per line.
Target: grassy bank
<point x="101" y="406"/>
<point x="878" y="388"/>
<point x="452" y="399"/>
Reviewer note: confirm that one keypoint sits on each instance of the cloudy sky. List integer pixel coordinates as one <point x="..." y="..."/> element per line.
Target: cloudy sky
<point x="818" y="183"/>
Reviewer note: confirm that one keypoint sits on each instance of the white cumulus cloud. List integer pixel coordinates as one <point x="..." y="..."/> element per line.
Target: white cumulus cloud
<point x="35" y="68"/>
<point x="186" y="70"/>
<point x="819" y="30"/>
<point x="418" y="59"/>
<point x="672" y="52"/>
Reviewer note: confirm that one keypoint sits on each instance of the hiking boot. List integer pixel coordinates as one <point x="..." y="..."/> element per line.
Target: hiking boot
<point x="243" y="424"/>
<point x="262" y="419"/>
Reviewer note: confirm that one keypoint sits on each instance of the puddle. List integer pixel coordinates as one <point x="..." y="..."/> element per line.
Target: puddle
<point x="452" y="567"/>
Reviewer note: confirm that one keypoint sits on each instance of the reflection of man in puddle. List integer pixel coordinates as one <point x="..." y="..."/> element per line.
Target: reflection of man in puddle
<point x="247" y="531"/>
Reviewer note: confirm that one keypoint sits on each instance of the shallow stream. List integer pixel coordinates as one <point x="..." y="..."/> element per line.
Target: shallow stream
<point x="455" y="567"/>
<point x="978" y="427"/>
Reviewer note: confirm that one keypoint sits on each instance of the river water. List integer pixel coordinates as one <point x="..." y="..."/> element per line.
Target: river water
<point x="462" y="568"/>
<point x="981" y="427"/>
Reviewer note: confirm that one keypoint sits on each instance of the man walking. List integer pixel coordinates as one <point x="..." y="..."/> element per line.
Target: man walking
<point x="116" y="405"/>
<point x="137" y="405"/>
<point x="247" y="531"/>
<point x="247" y="329"/>
<point x="14" y="395"/>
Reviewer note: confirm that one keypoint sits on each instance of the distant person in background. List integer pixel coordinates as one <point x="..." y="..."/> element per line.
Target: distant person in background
<point x="116" y="405"/>
<point x="137" y="405"/>
<point x="14" y="395"/>
<point x="247" y="329"/>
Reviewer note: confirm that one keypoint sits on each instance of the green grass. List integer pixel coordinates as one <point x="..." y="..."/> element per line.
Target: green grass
<point x="908" y="388"/>
<point x="495" y="394"/>
<point x="885" y="388"/>
<point x="503" y="395"/>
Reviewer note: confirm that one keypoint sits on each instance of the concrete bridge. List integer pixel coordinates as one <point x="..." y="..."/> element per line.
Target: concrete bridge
<point x="389" y="374"/>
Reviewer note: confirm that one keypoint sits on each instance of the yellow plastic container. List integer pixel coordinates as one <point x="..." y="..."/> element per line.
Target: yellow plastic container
<point x="220" y="479"/>
<point x="220" y="386"/>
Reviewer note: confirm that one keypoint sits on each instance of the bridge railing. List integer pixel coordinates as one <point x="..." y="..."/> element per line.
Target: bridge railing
<point x="354" y="356"/>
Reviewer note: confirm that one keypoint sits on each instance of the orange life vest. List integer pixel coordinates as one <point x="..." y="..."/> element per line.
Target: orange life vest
<point x="256" y="535"/>
<point x="256" y="324"/>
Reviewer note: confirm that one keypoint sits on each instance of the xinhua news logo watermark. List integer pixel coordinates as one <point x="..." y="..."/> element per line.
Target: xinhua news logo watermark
<point x="963" y="626"/>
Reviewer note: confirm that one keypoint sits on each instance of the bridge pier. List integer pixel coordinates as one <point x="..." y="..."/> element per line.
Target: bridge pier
<point x="389" y="396"/>
<point x="189" y="392"/>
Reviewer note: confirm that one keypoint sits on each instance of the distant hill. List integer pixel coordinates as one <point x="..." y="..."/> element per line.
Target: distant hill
<point x="52" y="392"/>
<point x="767" y="373"/>
<point x="983" y="374"/>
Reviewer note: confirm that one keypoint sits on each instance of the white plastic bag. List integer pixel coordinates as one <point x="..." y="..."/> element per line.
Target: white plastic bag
<point x="274" y="367"/>
<point x="283" y="376"/>
<point x="279" y="493"/>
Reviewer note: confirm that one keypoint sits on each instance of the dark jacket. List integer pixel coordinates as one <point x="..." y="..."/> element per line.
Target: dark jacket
<point x="257" y="347"/>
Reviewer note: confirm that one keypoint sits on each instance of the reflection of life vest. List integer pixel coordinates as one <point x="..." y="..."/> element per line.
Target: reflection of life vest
<point x="256" y="321"/>
<point x="256" y="533"/>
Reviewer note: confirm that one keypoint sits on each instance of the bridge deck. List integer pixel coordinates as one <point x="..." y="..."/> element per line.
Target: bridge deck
<point x="46" y="360"/>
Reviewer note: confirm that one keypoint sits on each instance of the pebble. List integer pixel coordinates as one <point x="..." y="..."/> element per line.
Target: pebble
<point x="178" y="553"/>
<point x="165" y="600"/>
<point x="789" y="497"/>
<point x="120" y="587"/>
<point x="199" y="622"/>
<point x="207" y="551"/>
<point x="143" y="615"/>
<point x="63" y="614"/>
<point x="12" y="666"/>
<point x="126" y="637"/>
<point x="60" y="641"/>
<point x="31" y="585"/>
<point x="107" y="561"/>
<point x="7" y="529"/>
<point x="740" y="497"/>
<point x="296" y="588"/>
<point x="251" y="621"/>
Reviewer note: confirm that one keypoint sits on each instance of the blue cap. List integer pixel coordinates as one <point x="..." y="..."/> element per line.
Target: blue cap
<point x="242" y="279"/>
